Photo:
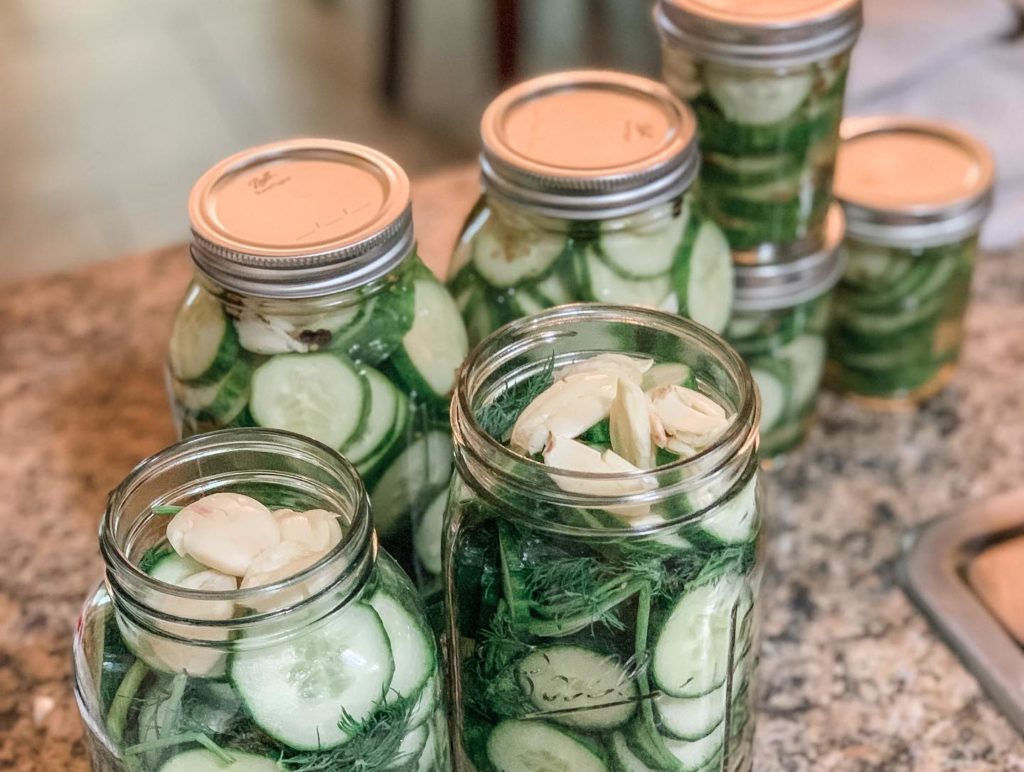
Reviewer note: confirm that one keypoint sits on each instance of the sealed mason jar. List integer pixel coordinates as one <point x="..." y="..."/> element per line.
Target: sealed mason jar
<point x="602" y="620"/>
<point x="311" y="312"/>
<point x="585" y="178"/>
<point x="333" y="667"/>
<point x="766" y="81"/>
<point x="915" y="194"/>
<point x="779" y="323"/>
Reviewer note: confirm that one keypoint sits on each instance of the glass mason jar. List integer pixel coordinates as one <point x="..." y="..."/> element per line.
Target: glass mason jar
<point x="311" y="312"/>
<point x="915" y="194"/>
<point x="585" y="178"/>
<point x="581" y="640"/>
<point x="779" y="324"/>
<point x="332" y="668"/>
<point x="766" y="81"/>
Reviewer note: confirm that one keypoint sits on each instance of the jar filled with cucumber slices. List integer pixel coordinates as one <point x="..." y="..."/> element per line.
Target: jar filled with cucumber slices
<point x="247" y="620"/>
<point x="311" y="312"/>
<point x="585" y="178"/>
<point x="915" y="194"/>
<point x="602" y="559"/>
<point x="766" y="81"/>
<point x="779" y="325"/>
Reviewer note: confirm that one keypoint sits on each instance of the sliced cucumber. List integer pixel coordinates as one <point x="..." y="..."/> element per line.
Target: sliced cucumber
<point x="537" y="746"/>
<point x="578" y="687"/>
<point x="411" y="747"/>
<point x="428" y="534"/>
<point x="553" y="289"/>
<point x="436" y="344"/>
<point x="202" y="760"/>
<point x="691" y="653"/>
<point x="606" y="285"/>
<point x="419" y="471"/>
<point x="505" y="258"/>
<point x="806" y="356"/>
<point x="203" y="345"/>
<point x="697" y="755"/>
<point x="323" y="396"/>
<point x="757" y="99"/>
<point x="691" y="718"/>
<point x="774" y="397"/>
<point x="644" y="252"/>
<point x="387" y="407"/>
<point x="172" y="568"/>
<point x="219" y="402"/>
<point x="426" y="702"/>
<point x="383" y="318"/>
<point x="625" y="759"/>
<point x="708" y="286"/>
<point x="735" y="521"/>
<point x="411" y="646"/>
<point x="298" y="691"/>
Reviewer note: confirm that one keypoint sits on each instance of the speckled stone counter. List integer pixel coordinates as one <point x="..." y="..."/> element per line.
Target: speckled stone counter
<point x="853" y="678"/>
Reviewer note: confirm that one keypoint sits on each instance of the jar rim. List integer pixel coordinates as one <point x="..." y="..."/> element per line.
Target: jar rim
<point x="540" y="329"/>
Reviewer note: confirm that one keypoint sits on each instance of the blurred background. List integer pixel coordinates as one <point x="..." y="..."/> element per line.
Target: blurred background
<point x="114" y="107"/>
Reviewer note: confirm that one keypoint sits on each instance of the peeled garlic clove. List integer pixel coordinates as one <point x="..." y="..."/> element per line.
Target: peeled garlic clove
<point x="281" y="561"/>
<point x="224" y="531"/>
<point x="684" y="410"/>
<point x="666" y="374"/>
<point x="316" y="529"/>
<point x="573" y="456"/>
<point x="680" y="448"/>
<point x="568" y="408"/>
<point x="617" y="365"/>
<point x="630" y="425"/>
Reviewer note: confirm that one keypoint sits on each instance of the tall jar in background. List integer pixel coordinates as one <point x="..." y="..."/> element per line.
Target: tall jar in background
<point x="331" y="668"/>
<point x="915" y="194"/>
<point x="311" y="312"/>
<point x="585" y="178"/>
<point x="780" y="320"/>
<point x="766" y="81"/>
<point x="603" y="621"/>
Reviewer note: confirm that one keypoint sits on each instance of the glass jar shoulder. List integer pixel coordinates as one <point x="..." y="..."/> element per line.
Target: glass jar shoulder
<point x="509" y="263"/>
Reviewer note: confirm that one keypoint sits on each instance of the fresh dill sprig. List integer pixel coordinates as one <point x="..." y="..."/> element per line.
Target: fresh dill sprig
<point x="499" y="645"/>
<point x="167" y="509"/>
<point x="499" y="416"/>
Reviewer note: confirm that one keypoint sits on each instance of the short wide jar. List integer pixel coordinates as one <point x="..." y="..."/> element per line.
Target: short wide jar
<point x="778" y="326"/>
<point x="915" y="194"/>
<point x="586" y="639"/>
<point x="333" y="668"/>
<point x="766" y="80"/>
<point x="586" y="177"/>
<point x="311" y="312"/>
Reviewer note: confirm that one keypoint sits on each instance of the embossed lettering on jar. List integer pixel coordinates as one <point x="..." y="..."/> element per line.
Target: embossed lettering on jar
<point x="247" y="620"/>
<point x="602" y="559"/>
<point x="311" y="312"/>
<point x="766" y="81"/>
<point x="586" y="177"/>
<point x="915" y="195"/>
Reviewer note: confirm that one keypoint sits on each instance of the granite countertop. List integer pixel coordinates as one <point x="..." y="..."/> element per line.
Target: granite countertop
<point x="853" y="678"/>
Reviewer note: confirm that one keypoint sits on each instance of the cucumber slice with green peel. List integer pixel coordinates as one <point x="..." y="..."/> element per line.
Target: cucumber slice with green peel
<point x="735" y="521"/>
<point x="370" y="465"/>
<point x="411" y="747"/>
<point x="428" y="533"/>
<point x="172" y="568"/>
<point x="526" y="303"/>
<point x="506" y="258"/>
<point x="426" y="702"/>
<point x="202" y="760"/>
<point x="606" y="285"/>
<point x="624" y="758"/>
<point x="411" y="647"/>
<point x="644" y="252"/>
<point x="298" y="691"/>
<point x="774" y="396"/>
<point x="377" y="330"/>
<point x="705" y="279"/>
<point x="418" y="472"/>
<point x="741" y="170"/>
<point x="806" y="357"/>
<point x="691" y="718"/>
<point x="480" y="315"/>
<point x="691" y="651"/>
<point x="384" y="413"/>
<point x="553" y="290"/>
<point x="578" y="687"/>
<point x="204" y="344"/>
<point x="697" y="755"/>
<point x="433" y="349"/>
<point x="323" y="396"/>
<point x="219" y="402"/>
<point x="758" y="100"/>
<point x="868" y="267"/>
<point x="537" y="746"/>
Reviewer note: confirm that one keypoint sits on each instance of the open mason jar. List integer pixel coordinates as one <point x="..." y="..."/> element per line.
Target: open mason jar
<point x="330" y="668"/>
<point x="585" y="178"/>
<point x="311" y="312"/>
<point x="766" y="81"/>
<point x="915" y="194"/>
<point x="779" y="324"/>
<point x="592" y="629"/>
